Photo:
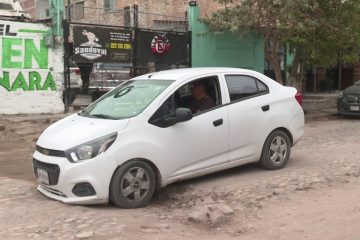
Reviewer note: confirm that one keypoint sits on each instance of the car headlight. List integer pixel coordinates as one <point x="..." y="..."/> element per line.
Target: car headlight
<point x="341" y="94"/>
<point x="90" y="149"/>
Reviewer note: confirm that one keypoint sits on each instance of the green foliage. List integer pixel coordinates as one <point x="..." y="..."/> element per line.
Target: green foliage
<point x="316" y="31"/>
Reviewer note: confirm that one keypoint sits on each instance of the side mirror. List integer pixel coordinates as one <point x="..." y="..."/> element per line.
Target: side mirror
<point x="183" y="115"/>
<point x="180" y="115"/>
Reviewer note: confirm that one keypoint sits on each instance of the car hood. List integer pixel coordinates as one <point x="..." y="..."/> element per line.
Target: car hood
<point x="355" y="89"/>
<point x="75" y="130"/>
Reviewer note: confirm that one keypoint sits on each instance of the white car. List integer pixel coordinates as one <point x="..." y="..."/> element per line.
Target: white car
<point x="164" y="127"/>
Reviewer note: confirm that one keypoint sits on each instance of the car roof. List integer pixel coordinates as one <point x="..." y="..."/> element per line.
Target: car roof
<point x="185" y="73"/>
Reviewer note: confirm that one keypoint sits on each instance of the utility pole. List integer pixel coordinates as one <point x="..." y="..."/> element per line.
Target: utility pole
<point x="56" y="14"/>
<point x="135" y="35"/>
<point x="136" y="15"/>
<point x="66" y="28"/>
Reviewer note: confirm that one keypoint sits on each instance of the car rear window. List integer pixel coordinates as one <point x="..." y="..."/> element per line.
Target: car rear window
<point x="242" y="86"/>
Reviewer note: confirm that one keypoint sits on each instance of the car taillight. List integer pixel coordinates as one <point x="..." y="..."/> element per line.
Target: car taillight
<point x="77" y="71"/>
<point x="299" y="98"/>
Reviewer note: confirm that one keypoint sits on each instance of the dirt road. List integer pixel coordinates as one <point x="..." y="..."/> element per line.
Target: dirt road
<point x="314" y="197"/>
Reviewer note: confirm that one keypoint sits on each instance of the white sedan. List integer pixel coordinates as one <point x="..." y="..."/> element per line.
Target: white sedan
<point x="164" y="127"/>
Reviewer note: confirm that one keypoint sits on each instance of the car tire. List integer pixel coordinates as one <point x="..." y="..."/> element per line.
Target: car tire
<point x="132" y="185"/>
<point x="276" y="150"/>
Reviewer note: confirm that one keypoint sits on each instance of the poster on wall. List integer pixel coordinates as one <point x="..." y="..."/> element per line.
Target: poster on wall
<point x="164" y="49"/>
<point x="99" y="44"/>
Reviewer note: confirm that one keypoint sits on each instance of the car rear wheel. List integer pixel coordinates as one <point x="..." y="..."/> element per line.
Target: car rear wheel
<point x="132" y="185"/>
<point x="276" y="150"/>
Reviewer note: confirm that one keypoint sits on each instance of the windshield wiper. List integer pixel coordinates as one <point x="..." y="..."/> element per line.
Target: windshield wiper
<point x="104" y="116"/>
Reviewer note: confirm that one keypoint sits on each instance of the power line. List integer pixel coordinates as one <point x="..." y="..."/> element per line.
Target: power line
<point x="122" y="11"/>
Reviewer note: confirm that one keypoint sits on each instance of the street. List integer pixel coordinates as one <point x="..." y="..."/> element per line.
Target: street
<point x="316" y="196"/>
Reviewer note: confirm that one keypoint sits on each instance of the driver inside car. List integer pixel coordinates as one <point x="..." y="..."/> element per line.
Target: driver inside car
<point x="201" y="100"/>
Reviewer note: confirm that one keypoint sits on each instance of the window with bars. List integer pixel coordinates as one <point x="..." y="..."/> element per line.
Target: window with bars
<point x="110" y="5"/>
<point x="77" y="11"/>
<point x="171" y="25"/>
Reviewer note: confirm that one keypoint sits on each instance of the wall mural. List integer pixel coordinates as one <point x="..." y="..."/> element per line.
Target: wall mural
<point x="25" y="60"/>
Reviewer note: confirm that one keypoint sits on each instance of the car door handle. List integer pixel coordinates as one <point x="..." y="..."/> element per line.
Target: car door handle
<point x="218" y="122"/>
<point x="265" y="108"/>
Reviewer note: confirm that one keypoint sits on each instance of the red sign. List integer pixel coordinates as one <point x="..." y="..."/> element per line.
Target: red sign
<point x="160" y="45"/>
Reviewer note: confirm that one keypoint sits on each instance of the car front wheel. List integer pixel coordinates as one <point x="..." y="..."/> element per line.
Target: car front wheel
<point x="276" y="150"/>
<point x="132" y="185"/>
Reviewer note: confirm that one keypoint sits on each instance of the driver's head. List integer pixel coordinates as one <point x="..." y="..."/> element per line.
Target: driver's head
<point x="198" y="90"/>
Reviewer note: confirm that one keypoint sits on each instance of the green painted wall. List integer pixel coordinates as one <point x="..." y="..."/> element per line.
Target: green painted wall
<point x="56" y="14"/>
<point x="211" y="49"/>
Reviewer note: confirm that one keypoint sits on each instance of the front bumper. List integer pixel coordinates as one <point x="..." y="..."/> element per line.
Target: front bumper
<point x="63" y="181"/>
<point x="344" y="108"/>
<point x="344" y="113"/>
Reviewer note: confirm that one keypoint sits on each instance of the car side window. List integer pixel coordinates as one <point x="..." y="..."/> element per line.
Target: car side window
<point x="262" y="87"/>
<point x="199" y="96"/>
<point x="166" y="110"/>
<point x="242" y="87"/>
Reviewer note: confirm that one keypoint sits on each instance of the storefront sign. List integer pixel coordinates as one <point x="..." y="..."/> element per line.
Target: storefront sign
<point x="99" y="44"/>
<point x="160" y="45"/>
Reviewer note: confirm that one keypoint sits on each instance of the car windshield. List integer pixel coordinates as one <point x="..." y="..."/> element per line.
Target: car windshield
<point x="127" y="100"/>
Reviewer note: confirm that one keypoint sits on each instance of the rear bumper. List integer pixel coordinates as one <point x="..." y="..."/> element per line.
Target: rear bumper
<point x="297" y="126"/>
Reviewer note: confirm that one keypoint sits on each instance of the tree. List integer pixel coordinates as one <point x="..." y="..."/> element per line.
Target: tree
<point x="314" y="31"/>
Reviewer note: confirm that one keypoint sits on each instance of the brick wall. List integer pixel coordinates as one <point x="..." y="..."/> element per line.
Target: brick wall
<point x="28" y="7"/>
<point x="172" y="9"/>
<point x="149" y="11"/>
<point x="357" y="72"/>
<point x="93" y="13"/>
<point x="27" y="4"/>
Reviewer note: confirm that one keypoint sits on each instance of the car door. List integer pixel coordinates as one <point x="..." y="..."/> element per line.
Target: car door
<point x="197" y="144"/>
<point x="249" y="115"/>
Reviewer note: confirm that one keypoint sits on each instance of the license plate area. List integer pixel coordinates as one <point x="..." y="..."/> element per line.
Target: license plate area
<point x="43" y="176"/>
<point x="355" y="108"/>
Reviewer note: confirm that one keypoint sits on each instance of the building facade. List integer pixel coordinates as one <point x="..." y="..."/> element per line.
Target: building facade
<point x="29" y="6"/>
<point x="224" y="49"/>
<point x="38" y="9"/>
<point x="152" y="14"/>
